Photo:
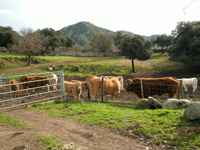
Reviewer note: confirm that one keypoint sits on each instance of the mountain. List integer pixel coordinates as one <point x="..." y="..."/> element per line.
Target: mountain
<point x="84" y="32"/>
<point x="144" y="36"/>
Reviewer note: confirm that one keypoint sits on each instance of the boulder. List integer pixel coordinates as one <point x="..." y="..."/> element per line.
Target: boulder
<point x="150" y="103"/>
<point x="192" y="112"/>
<point x="143" y="104"/>
<point x="153" y="103"/>
<point x="176" y="103"/>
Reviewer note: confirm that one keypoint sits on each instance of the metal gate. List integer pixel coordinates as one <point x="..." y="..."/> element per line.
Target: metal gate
<point x="7" y="100"/>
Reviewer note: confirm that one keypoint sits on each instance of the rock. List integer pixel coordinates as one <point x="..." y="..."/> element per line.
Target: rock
<point x="50" y="68"/>
<point x="176" y="103"/>
<point x="153" y="103"/>
<point x="143" y="104"/>
<point x="150" y="103"/>
<point x="192" y="112"/>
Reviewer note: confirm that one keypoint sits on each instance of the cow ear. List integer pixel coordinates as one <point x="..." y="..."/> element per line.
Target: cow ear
<point x="120" y="78"/>
<point x="130" y="82"/>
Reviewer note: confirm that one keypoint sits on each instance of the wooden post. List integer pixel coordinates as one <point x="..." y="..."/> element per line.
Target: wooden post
<point x="141" y="86"/>
<point x="102" y="89"/>
<point x="181" y="88"/>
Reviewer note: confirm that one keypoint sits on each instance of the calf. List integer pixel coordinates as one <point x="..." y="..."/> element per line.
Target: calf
<point x="73" y="89"/>
<point x="15" y="87"/>
<point x="84" y="87"/>
<point x="54" y="81"/>
<point x="34" y="84"/>
<point x="189" y="82"/>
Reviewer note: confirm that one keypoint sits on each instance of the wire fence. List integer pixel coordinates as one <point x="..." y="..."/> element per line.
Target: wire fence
<point x="10" y="98"/>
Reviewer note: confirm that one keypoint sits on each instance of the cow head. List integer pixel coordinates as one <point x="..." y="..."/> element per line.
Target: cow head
<point x="127" y="84"/>
<point x="121" y="80"/>
<point x="85" y="85"/>
<point x="79" y="86"/>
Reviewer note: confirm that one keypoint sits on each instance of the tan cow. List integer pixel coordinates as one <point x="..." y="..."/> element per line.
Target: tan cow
<point x="84" y="87"/>
<point x="111" y="87"/>
<point x="73" y="89"/>
<point x="15" y="87"/>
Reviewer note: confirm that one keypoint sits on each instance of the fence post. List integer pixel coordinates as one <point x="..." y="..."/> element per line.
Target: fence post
<point x="141" y="86"/>
<point x="102" y="89"/>
<point x="62" y="84"/>
<point x="181" y="88"/>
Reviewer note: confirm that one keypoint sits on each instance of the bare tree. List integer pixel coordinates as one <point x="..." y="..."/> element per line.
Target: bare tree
<point x="29" y="44"/>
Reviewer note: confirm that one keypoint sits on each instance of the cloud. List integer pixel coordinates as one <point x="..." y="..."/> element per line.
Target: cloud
<point x="6" y="12"/>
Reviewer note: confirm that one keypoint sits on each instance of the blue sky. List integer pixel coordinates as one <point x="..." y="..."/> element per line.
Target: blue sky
<point x="144" y="17"/>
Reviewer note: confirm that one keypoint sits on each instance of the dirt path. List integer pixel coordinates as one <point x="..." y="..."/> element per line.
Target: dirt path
<point x="83" y="137"/>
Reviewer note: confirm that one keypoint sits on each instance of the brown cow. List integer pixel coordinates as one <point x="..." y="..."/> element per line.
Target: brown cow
<point x="154" y="86"/>
<point x="73" y="89"/>
<point x="15" y="87"/>
<point x="84" y="87"/>
<point x="34" y="84"/>
<point x="111" y="86"/>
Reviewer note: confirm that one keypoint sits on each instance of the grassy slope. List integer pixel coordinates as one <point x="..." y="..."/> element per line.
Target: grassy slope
<point x="86" y="65"/>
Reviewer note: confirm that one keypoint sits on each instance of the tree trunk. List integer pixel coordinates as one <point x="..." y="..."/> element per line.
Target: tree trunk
<point x="29" y="60"/>
<point x="133" y="66"/>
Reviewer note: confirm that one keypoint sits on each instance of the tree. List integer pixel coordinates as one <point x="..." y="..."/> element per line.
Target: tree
<point x="164" y="41"/>
<point x="134" y="47"/>
<point x="51" y="39"/>
<point x="101" y="43"/>
<point x="29" y="44"/>
<point x="7" y="37"/>
<point x="186" y="45"/>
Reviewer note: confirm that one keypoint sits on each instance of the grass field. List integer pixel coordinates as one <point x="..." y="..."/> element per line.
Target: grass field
<point x="164" y="126"/>
<point x="85" y="66"/>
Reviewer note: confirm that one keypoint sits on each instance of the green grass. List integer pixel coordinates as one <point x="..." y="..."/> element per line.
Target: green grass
<point x="51" y="143"/>
<point x="10" y="121"/>
<point x="163" y="126"/>
<point x="89" y="65"/>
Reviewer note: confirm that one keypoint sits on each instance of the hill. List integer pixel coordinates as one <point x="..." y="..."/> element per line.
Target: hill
<point x="144" y="36"/>
<point x="84" y="32"/>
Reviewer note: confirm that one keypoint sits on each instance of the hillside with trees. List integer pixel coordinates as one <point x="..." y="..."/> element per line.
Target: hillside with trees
<point x="84" y="32"/>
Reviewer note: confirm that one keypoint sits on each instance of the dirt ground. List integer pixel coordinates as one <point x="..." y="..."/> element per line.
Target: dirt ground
<point x="77" y="135"/>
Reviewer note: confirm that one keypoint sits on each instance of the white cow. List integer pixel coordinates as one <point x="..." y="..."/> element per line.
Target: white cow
<point x="189" y="82"/>
<point x="54" y="80"/>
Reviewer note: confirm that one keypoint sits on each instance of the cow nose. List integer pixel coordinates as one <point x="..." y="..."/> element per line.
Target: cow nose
<point x="79" y="89"/>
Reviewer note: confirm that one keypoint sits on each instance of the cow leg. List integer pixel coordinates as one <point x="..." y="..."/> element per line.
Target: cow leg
<point x="194" y="88"/>
<point x="47" y="88"/>
<point x="186" y="88"/>
<point x="75" y="97"/>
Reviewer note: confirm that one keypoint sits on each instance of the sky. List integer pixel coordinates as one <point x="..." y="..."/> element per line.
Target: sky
<point x="143" y="17"/>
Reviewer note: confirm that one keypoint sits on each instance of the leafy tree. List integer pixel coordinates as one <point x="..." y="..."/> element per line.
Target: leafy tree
<point x="101" y="43"/>
<point x="67" y="42"/>
<point x="134" y="47"/>
<point x="7" y="37"/>
<point x="163" y="41"/>
<point x="186" y="46"/>
<point x="51" y="39"/>
<point x="29" y="44"/>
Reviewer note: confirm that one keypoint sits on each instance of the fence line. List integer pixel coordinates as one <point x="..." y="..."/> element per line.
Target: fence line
<point x="9" y="92"/>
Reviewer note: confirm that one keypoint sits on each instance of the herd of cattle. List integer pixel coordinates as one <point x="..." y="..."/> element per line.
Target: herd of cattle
<point x="111" y="86"/>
